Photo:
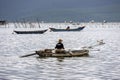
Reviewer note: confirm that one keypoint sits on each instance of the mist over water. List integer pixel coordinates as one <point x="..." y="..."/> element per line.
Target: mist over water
<point x="100" y="65"/>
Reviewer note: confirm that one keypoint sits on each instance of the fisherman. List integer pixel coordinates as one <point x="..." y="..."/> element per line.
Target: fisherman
<point x="68" y="28"/>
<point x="59" y="47"/>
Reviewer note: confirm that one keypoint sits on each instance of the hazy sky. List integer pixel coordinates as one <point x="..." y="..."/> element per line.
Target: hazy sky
<point x="51" y="10"/>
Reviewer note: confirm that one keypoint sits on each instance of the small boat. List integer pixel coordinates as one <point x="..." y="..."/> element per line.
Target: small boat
<point x="73" y="53"/>
<point x="3" y="22"/>
<point x="31" y="32"/>
<point x="61" y="30"/>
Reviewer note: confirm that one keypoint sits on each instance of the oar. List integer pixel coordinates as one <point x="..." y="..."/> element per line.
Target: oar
<point x="91" y="47"/>
<point x="27" y="55"/>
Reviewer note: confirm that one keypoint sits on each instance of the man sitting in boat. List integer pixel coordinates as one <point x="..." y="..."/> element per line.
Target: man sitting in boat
<point x="68" y="28"/>
<point x="59" y="47"/>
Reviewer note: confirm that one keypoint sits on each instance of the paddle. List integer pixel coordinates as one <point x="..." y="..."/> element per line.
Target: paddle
<point x="27" y="55"/>
<point x="91" y="47"/>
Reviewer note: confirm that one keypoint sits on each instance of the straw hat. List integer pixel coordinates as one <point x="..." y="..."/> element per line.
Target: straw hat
<point x="60" y="40"/>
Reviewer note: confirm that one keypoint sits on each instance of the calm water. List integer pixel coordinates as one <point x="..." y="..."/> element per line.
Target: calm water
<point x="100" y="65"/>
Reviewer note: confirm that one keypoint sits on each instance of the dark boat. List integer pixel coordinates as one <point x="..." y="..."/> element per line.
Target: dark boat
<point x="31" y="32"/>
<point x="73" y="53"/>
<point x="61" y="30"/>
<point x="2" y="22"/>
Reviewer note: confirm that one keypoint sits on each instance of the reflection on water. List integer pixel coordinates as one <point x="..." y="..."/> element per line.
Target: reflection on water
<point x="100" y="65"/>
<point x="60" y="59"/>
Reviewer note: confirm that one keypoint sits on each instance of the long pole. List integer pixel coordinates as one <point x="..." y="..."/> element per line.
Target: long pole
<point x="38" y="23"/>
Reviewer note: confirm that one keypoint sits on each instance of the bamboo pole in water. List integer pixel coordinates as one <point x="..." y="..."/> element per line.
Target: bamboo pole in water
<point x="38" y="23"/>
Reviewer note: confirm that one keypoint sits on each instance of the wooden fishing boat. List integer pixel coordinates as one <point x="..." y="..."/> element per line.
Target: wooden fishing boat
<point x="61" y="30"/>
<point x="65" y="53"/>
<point x="31" y="32"/>
<point x="73" y="53"/>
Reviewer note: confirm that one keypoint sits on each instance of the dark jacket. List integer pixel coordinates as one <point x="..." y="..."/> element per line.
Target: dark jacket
<point x="59" y="46"/>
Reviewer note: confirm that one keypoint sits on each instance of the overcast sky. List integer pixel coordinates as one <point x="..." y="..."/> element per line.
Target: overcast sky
<point x="59" y="10"/>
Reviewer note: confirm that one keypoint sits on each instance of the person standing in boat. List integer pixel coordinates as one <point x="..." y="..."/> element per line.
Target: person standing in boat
<point x="59" y="47"/>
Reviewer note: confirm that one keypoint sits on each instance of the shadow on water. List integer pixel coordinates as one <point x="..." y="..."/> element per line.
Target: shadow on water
<point x="59" y="59"/>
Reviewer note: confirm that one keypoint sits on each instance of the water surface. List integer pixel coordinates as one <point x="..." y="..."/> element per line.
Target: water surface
<point x="100" y="65"/>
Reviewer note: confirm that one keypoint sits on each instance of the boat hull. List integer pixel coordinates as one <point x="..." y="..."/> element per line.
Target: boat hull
<point x="74" y="53"/>
<point x="67" y="30"/>
<point x="30" y="32"/>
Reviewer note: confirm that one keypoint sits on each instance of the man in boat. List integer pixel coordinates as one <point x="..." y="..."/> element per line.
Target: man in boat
<point x="59" y="47"/>
<point x="68" y="28"/>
